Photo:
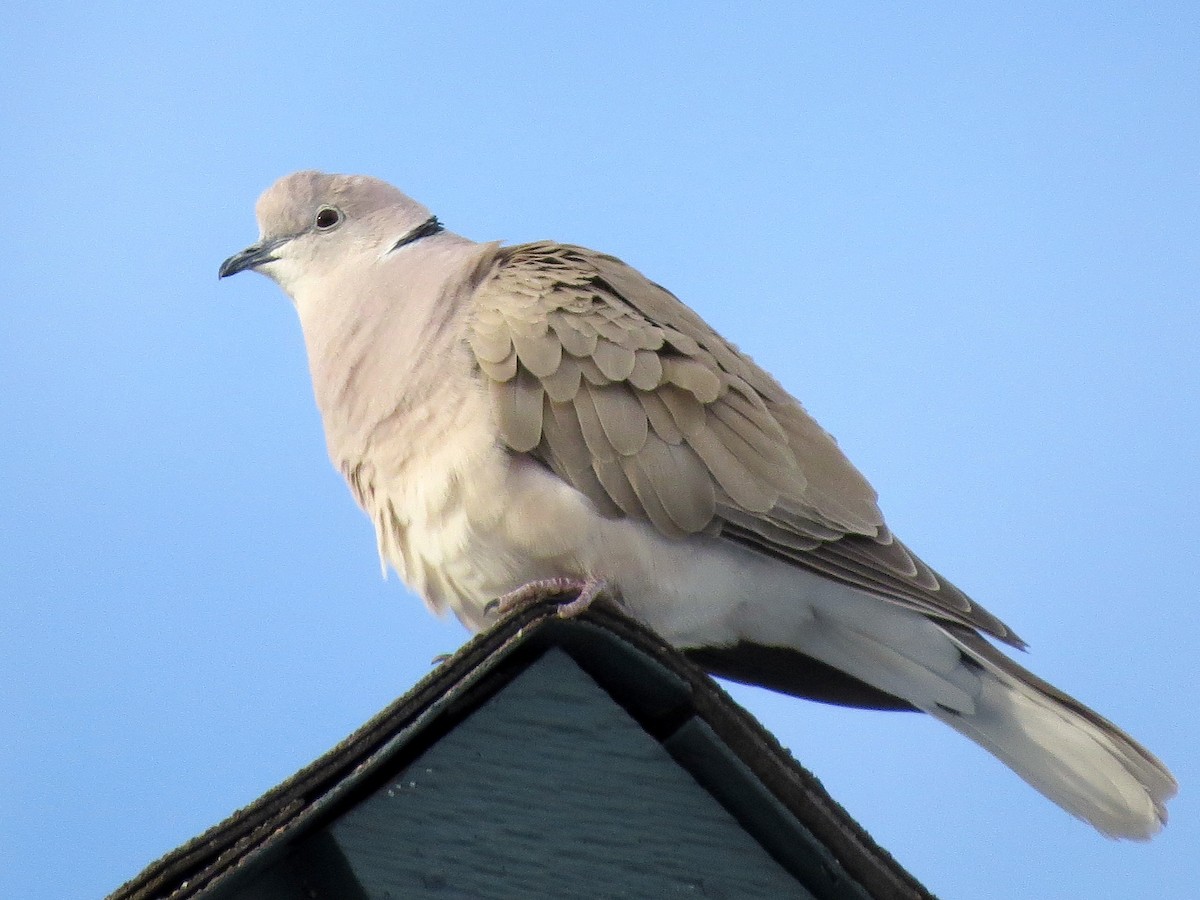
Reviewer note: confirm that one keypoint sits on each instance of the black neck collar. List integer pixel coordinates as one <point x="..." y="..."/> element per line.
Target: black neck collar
<point x="424" y="230"/>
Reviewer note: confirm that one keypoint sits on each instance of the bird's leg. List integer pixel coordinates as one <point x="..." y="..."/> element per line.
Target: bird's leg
<point x="586" y="591"/>
<point x="591" y="590"/>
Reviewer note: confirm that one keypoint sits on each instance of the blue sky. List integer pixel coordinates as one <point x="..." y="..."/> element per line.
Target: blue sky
<point x="966" y="240"/>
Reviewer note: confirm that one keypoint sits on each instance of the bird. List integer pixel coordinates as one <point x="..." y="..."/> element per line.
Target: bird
<point x="542" y="418"/>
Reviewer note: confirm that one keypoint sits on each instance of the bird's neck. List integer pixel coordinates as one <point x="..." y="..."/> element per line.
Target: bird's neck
<point x="393" y="341"/>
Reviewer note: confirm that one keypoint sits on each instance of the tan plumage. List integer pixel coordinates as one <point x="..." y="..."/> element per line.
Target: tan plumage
<point x="543" y="411"/>
<point x="679" y="427"/>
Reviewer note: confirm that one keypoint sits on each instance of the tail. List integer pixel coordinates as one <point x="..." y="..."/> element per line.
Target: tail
<point x="1077" y="758"/>
<point x="1074" y="756"/>
<point x="882" y="655"/>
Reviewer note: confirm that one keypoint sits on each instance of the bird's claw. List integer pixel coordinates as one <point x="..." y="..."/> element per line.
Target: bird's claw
<point x="586" y="591"/>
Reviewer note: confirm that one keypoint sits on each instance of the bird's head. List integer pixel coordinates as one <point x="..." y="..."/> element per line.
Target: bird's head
<point x="312" y="222"/>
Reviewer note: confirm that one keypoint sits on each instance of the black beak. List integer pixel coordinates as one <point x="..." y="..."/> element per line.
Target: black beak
<point x="251" y="258"/>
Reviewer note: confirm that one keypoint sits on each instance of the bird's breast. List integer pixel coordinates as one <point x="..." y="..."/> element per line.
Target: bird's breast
<point x="459" y="517"/>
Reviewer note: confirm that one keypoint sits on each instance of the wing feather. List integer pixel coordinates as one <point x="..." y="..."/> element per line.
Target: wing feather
<point x="563" y="383"/>
<point x="566" y="452"/>
<point x="519" y="409"/>
<point x="622" y="418"/>
<point x="648" y="497"/>
<point x="660" y="418"/>
<point x="614" y="361"/>
<point x="538" y="350"/>
<point x="647" y="371"/>
<point x="590" y="425"/>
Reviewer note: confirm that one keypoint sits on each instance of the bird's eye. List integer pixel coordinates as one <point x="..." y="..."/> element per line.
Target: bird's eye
<point x="327" y="217"/>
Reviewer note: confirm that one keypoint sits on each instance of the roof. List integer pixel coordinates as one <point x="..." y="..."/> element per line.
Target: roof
<point x="733" y="758"/>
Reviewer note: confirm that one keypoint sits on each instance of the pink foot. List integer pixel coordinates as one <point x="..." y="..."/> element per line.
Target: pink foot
<point x="586" y="590"/>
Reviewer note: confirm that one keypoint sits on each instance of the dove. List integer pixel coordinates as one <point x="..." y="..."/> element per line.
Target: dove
<point x="542" y="418"/>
